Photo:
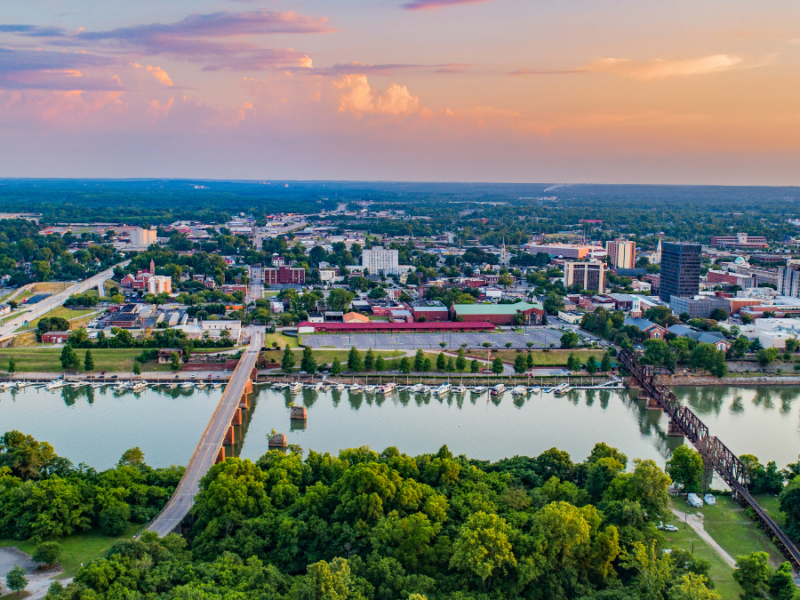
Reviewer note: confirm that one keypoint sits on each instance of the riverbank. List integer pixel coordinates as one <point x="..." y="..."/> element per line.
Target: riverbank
<point x="704" y="381"/>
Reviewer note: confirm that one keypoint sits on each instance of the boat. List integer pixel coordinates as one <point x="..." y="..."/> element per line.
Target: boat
<point x="387" y="389"/>
<point x="424" y="389"/>
<point x="478" y="389"/>
<point x="296" y="387"/>
<point x="186" y="385"/>
<point x="356" y="387"/>
<point x="319" y="386"/>
<point x="461" y="390"/>
<point x="6" y="385"/>
<point x="216" y="386"/>
<point x="561" y="389"/>
<point x="338" y="387"/>
<point x="536" y="389"/>
<point x="497" y="390"/>
<point x="279" y="385"/>
<point x="442" y="389"/>
<point x="23" y="384"/>
<point x="519" y="390"/>
<point x="369" y="388"/>
<point x="138" y="386"/>
<point x="55" y="384"/>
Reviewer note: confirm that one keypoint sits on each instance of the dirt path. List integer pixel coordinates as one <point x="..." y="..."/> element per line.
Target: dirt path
<point x="38" y="580"/>
<point x="696" y="523"/>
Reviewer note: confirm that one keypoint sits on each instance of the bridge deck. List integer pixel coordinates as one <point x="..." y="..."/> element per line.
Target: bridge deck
<point x="210" y="442"/>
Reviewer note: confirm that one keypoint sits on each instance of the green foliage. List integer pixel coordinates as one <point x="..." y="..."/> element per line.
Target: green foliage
<point x="88" y="361"/>
<point x="137" y="367"/>
<point x="461" y="361"/>
<point x="308" y="363"/>
<point x="174" y="361"/>
<point x="520" y="364"/>
<point x="336" y="366"/>
<point x="482" y="546"/>
<point x="369" y="360"/>
<point x="405" y="365"/>
<point x="685" y="467"/>
<point x="355" y="362"/>
<point x="441" y="362"/>
<point x="752" y="574"/>
<point x="569" y="340"/>
<point x="380" y="363"/>
<point x="69" y="359"/>
<point x="47" y="553"/>
<point x="12" y="364"/>
<point x="287" y="362"/>
<point x="474" y="366"/>
<point x="497" y="366"/>
<point x="16" y="580"/>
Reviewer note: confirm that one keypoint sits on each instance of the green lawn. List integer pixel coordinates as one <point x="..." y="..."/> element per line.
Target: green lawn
<point x="62" y="312"/>
<point x="32" y="359"/>
<point x="721" y="574"/>
<point x="728" y="524"/>
<point x="283" y="340"/>
<point x="80" y="548"/>
<point x="541" y="358"/>
<point x="771" y="504"/>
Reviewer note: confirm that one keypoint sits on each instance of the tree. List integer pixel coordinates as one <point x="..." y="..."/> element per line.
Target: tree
<point x="16" y="580"/>
<point x="685" y="467"/>
<point x="792" y="345"/>
<point x="719" y="314"/>
<point x="605" y="364"/>
<point x="483" y="546"/>
<point x="137" y="367"/>
<point x="441" y="362"/>
<point x="88" y="361"/>
<point x="405" y="365"/>
<point x="569" y="340"/>
<point x="308" y="363"/>
<point x="781" y="583"/>
<point x="174" y="361"/>
<point x="752" y="574"/>
<point x="591" y="365"/>
<point x="47" y="553"/>
<point x="474" y="366"/>
<point x="336" y="367"/>
<point x="573" y="364"/>
<point x="380" y="363"/>
<point x="520" y="364"/>
<point x="427" y="365"/>
<point x="451" y="365"/>
<point x="553" y="303"/>
<point x="328" y="581"/>
<point x="369" y="360"/>
<point x="287" y="363"/>
<point x="692" y="587"/>
<point x="69" y="360"/>
<point x="339" y="299"/>
<point x="133" y="457"/>
<point x="461" y="360"/>
<point x="419" y="360"/>
<point x="766" y="356"/>
<point x="497" y="366"/>
<point x="12" y="364"/>
<point x="355" y="362"/>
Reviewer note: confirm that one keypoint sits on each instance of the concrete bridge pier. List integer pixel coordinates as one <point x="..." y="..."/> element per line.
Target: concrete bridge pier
<point x="101" y="289"/>
<point x="673" y="430"/>
<point x="220" y="456"/>
<point x="653" y="405"/>
<point x="237" y="417"/>
<point x="230" y="437"/>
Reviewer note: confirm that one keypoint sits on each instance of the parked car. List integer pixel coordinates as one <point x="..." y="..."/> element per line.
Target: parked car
<point x="670" y="528"/>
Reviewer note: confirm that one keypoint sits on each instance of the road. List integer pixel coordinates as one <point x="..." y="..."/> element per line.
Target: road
<point x="210" y="442"/>
<point x="255" y="290"/>
<point x="56" y="300"/>
<point x="696" y="523"/>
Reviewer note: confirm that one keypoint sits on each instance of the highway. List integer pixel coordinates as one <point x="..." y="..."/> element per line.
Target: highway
<point x="56" y="300"/>
<point x="210" y="442"/>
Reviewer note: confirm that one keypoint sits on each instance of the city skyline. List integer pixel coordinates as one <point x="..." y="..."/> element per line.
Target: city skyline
<point x="438" y="90"/>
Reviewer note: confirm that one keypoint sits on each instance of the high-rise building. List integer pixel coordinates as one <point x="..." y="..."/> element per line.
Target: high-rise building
<point x="789" y="281"/>
<point x="680" y="270"/>
<point x="379" y="260"/>
<point x="622" y="254"/>
<point x="589" y="276"/>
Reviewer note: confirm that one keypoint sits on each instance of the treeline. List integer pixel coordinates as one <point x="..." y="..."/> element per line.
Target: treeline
<point x="43" y="496"/>
<point x="157" y="338"/>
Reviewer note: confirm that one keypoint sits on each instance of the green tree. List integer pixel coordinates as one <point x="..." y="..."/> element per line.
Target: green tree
<point x="605" y="364"/>
<point x="573" y="364"/>
<point x="328" y="581"/>
<point x="553" y="303"/>
<point x="339" y="299"/>
<point x="483" y="546"/>
<point x="685" y="467"/>
<point x="12" y="364"/>
<point x="461" y="361"/>
<point x="520" y="364"/>
<point x="766" y="356"/>
<point x="137" y="367"/>
<point x="692" y="587"/>
<point x="591" y="365"/>
<point x="287" y="363"/>
<point x="69" y="360"/>
<point x="569" y="340"/>
<point x="451" y="365"/>
<point x="419" y="360"/>
<point x="355" y="362"/>
<point x="752" y="574"/>
<point x="781" y="583"/>
<point x="380" y="363"/>
<point x="133" y="457"/>
<point x="529" y="360"/>
<point x="16" y="580"/>
<point x="369" y="360"/>
<point x="88" y="361"/>
<point x="427" y="365"/>
<point x="474" y="366"/>
<point x="47" y="553"/>
<point x="174" y="361"/>
<point x="497" y="366"/>
<point x="653" y="570"/>
<point x="405" y="365"/>
<point x="308" y="363"/>
<point x="441" y="362"/>
<point x="336" y="367"/>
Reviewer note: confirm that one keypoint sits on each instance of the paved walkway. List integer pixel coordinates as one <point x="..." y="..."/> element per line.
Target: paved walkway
<point x="696" y="523"/>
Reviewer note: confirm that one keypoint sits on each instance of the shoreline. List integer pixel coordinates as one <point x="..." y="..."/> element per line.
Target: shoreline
<point x="710" y="381"/>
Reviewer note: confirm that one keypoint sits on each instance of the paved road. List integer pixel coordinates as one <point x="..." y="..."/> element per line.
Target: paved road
<point x="210" y="442"/>
<point x="56" y="300"/>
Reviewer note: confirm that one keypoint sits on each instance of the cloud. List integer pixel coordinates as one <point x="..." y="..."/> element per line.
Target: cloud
<point x="660" y="68"/>
<point x="359" y="98"/>
<point x="157" y="72"/>
<point x="260" y="60"/>
<point x="157" y="110"/>
<point x="356" y="68"/>
<point x="44" y="70"/>
<point x="522" y="72"/>
<point x="434" y="4"/>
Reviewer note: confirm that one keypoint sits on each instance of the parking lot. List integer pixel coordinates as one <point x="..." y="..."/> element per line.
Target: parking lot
<point x="541" y="337"/>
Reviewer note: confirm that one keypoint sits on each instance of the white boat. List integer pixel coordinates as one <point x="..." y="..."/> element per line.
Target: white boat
<point x="497" y="390"/>
<point x="562" y="389"/>
<point x="55" y="384"/>
<point x="23" y="384"/>
<point x="519" y="390"/>
<point x="424" y="389"/>
<point x="6" y="385"/>
<point x="369" y="388"/>
<point x="217" y="385"/>
<point x="478" y="389"/>
<point x="356" y="387"/>
<point x="319" y="386"/>
<point x="460" y="390"/>
<point x="138" y="386"/>
<point x="338" y="387"/>
<point x="442" y="389"/>
<point x="296" y="387"/>
<point x="387" y="389"/>
<point x="279" y="385"/>
<point x="415" y="388"/>
<point x="186" y="385"/>
<point x="536" y="389"/>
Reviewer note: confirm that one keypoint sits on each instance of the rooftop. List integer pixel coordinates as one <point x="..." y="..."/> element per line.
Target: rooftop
<point x="495" y="309"/>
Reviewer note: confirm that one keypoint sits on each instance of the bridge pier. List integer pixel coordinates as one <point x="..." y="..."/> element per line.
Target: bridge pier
<point x="632" y="383"/>
<point x="237" y="417"/>
<point x="298" y="413"/>
<point x="243" y="402"/>
<point x="673" y="430"/>
<point x="220" y="456"/>
<point x="652" y="404"/>
<point x="229" y="437"/>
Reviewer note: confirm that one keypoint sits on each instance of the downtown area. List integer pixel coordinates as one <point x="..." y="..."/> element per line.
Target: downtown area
<point x="276" y="354"/>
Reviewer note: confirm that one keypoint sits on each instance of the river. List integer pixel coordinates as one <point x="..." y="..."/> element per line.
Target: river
<point x="96" y="426"/>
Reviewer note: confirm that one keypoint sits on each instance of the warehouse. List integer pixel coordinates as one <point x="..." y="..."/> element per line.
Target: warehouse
<point x="521" y="313"/>
<point x="385" y="327"/>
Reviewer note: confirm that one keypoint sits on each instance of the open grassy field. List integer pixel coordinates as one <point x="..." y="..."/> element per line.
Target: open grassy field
<point x="728" y="524"/>
<point x="283" y="340"/>
<point x="771" y="504"/>
<point x="51" y="287"/>
<point x="80" y="548"/>
<point x="721" y="574"/>
<point x="550" y="358"/>
<point x="44" y="359"/>
<point x="60" y="311"/>
<point x="24" y="340"/>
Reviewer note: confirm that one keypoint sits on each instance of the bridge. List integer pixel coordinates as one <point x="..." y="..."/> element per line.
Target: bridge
<point x="714" y="452"/>
<point x="211" y="449"/>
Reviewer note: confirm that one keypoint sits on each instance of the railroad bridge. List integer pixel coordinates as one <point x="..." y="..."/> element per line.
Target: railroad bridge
<point x="715" y="453"/>
<point x="220" y="432"/>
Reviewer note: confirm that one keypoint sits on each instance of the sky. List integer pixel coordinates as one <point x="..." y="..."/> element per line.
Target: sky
<point x="567" y="91"/>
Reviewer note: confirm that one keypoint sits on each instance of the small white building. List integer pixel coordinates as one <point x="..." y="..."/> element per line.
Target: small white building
<point x="573" y="318"/>
<point x="773" y="333"/>
<point x="275" y="307"/>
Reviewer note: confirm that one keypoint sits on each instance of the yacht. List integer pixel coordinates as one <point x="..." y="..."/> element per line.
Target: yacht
<point x="536" y="389"/>
<point x="519" y="390"/>
<point x="338" y="387"/>
<point x="279" y="385"/>
<point x="442" y="389"/>
<point x="6" y="385"/>
<point x="460" y="390"/>
<point x="387" y="389"/>
<point x="497" y="390"/>
<point x="296" y="387"/>
<point x="478" y="390"/>
<point x="56" y="384"/>
<point x="138" y="386"/>
<point x="356" y="387"/>
<point x="187" y="385"/>
<point x="369" y="388"/>
<point x="23" y="384"/>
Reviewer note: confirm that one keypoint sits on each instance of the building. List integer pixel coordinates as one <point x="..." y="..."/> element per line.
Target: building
<point x="354" y="317"/>
<point x="379" y="260"/>
<point x="729" y="278"/>
<point x="526" y="313"/>
<point x="148" y="281"/>
<point x="789" y="281"/>
<point x="431" y="311"/>
<point x="773" y="333"/>
<point x="700" y="307"/>
<point x="275" y="306"/>
<point x="653" y="331"/>
<point x="622" y="254"/>
<point x="284" y="276"/>
<point x="142" y="238"/>
<point x="216" y="329"/>
<point x="701" y="337"/>
<point x="55" y="337"/>
<point x="589" y="276"/>
<point x="573" y="318"/>
<point x="680" y="270"/>
<point x="740" y="240"/>
<point x="573" y="251"/>
<point x="389" y="327"/>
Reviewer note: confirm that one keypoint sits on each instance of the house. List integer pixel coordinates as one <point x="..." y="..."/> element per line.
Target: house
<point x="55" y="337"/>
<point x="653" y="331"/>
<point x="701" y="337"/>
<point x="275" y="306"/>
<point x="353" y="317"/>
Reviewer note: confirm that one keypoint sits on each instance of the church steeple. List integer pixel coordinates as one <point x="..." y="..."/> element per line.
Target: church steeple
<point x="152" y="267"/>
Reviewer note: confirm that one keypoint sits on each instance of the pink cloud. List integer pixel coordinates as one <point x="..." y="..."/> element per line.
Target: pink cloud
<point x="359" y="98"/>
<point x="522" y="72"/>
<point x="355" y="68"/>
<point x="434" y="4"/>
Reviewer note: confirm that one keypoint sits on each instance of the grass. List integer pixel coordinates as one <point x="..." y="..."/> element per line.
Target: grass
<point x="721" y="574"/>
<point x="771" y="504"/>
<point x="283" y="340"/>
<point x="729" y="525"/>
<point x="24" y="340"/>
<point x="79" y="548"/>
<point x="551" y="358"/>
<point x="51" y="287"/>
<point x="42" y="359"/>
<point x="60" y="311"/>
<point x="16" y="595"/>
<point x="23" y="296"/>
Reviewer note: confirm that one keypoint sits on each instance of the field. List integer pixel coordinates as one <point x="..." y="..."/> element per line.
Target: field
<point x="728" y="524"/>
<point x="80" y="548"/>
<point x="283" y="340"/>
<point x="41" y="359"/>
<point x="770" y="504"/>
<point x="51" y="287"/>
<point x="551" y="358"/>
<point x="62" y="312"/>
<point x="721" y="574"/>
